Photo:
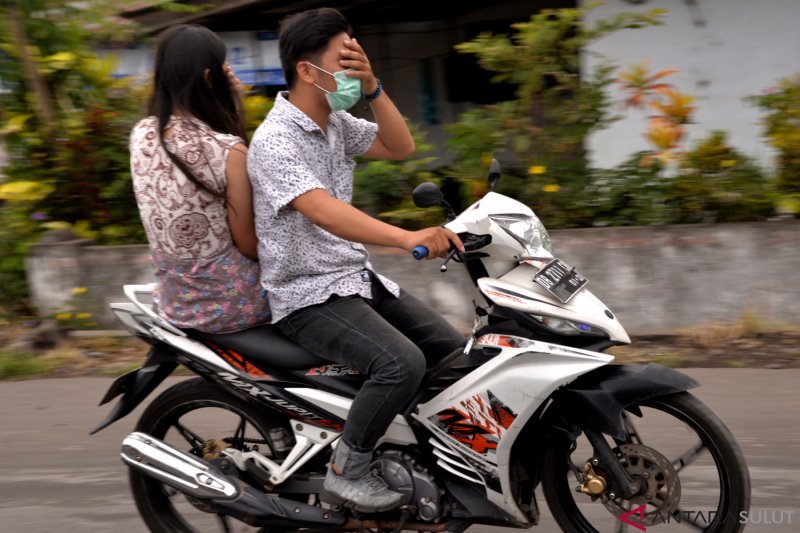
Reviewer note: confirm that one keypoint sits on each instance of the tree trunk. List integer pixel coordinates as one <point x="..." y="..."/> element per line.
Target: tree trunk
<point x="34" y="82"/>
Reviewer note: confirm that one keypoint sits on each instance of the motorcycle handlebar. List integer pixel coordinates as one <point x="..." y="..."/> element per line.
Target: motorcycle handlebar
<point x="420" y="252"/>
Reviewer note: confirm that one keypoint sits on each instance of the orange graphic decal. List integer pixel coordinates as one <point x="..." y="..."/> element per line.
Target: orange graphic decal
<point x="478" y="422"/>
<point x="238" y="362"/>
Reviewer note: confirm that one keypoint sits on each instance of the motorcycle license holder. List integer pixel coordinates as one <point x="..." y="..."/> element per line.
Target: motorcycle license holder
<point x="560" y="280"/>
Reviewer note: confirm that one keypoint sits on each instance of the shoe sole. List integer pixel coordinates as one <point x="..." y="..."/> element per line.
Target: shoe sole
<point x="333" y="499"/>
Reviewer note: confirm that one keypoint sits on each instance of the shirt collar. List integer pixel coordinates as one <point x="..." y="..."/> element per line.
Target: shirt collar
<point x="288" y="109"/>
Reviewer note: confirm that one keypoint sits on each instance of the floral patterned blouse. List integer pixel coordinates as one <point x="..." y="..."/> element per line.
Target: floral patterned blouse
<point x="204" y="281"/>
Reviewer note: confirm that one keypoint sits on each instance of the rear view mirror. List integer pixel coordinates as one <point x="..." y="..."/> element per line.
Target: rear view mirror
<point x="427" y="195"/>
<point x="494" y="174"/>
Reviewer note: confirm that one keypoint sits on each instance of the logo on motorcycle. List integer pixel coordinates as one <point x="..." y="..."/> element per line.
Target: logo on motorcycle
<point x="332" y="370"/>
<point x="639" y="511"/>
<point x="478" y="422"/>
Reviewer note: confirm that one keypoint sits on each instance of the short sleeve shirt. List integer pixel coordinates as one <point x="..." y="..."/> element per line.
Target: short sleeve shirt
<point x="290" y="155"/>
<point x="204" y="281"/>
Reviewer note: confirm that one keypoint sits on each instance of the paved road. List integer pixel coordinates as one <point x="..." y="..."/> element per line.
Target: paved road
<point x="55" y="477"/>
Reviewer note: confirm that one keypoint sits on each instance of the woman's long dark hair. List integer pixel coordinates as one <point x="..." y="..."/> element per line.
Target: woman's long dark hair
<point x="183" y="54"/>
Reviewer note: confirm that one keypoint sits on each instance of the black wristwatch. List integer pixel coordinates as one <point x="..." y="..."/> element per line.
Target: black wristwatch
<point x="372" y="96"/>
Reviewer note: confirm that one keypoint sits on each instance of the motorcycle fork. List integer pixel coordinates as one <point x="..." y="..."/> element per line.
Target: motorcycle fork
<point x="621" y="483"/>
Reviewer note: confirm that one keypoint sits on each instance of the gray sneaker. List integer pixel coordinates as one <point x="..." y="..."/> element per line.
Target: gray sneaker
<point x="368" y="494"/>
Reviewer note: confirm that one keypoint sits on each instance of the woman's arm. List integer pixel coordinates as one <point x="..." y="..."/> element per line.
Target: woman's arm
<point x="240" y="202"/>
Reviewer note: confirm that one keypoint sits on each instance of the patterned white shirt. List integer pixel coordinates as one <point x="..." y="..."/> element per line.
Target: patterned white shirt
<point x="290" y="155"/>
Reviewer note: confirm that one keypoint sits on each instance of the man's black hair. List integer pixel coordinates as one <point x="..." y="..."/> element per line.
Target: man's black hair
<point x="305" y="36"/>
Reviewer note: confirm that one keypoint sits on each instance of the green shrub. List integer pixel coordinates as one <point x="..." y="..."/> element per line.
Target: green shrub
<point x="383" y="188"/>
<point x="718" y="184"/>
<point x="782" y="128"/>
<point x="539" y="135"/>
<point x="16" y="365"/>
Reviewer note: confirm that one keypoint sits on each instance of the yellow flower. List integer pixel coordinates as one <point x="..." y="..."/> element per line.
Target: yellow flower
<point x="24" y="191"/>
<point x="80" y="290"/>
<point x="727" y="163"/>
<point x="551" y="187"/>
<point x="486" y="159"/>
<point x="63" y="316"/>
<point x="83" y="316"/>
<point x="537" y="169"/>
<point x="62" y="57"/>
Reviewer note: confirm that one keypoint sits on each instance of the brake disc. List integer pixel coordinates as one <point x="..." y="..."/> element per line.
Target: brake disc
<point x="660" y="487"/>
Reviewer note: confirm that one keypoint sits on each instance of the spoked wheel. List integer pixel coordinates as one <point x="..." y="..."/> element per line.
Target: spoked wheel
<point x="194" y="416"/>
<point x="691" y="472"/>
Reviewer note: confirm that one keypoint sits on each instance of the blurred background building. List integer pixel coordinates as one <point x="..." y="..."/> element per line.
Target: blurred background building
<point x="724" y="50"/>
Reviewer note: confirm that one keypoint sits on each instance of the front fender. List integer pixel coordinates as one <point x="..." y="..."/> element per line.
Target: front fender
<point x="596" y="400"/>
<point x="136" y="385"/>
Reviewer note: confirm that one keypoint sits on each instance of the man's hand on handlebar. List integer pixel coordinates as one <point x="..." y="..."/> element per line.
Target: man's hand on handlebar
<point x="438" y="240"/>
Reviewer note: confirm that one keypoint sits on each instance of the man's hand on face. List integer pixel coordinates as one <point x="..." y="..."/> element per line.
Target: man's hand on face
<point x="353" y="57"/>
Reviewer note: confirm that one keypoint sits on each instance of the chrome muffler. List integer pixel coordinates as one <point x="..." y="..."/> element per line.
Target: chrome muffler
<point x="180" y="470"/>
<point x="222" y="493"/>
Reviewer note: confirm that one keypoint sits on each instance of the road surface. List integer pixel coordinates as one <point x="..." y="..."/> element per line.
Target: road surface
<point x="55" y="477"/>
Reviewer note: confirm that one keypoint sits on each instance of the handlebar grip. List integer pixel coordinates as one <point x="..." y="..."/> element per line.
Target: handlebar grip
<point x="420" y="252"/>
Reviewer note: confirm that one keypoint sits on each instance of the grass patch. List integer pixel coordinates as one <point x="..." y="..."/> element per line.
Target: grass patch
<point x="72" y="356"/>
<point x="749" y="324"/>
<point x="670" y="360"/>
<point x="115" y="372"/>
<point x="738" y="363"/>
<point x="14" y="365"/>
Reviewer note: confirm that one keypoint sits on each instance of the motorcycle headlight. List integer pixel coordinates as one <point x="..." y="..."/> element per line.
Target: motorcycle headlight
<point x="529" y="232"/>
<point x="568" y="327"/>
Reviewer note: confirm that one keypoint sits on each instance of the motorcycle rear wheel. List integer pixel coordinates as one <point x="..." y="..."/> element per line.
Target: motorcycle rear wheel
<point x="708" y="499"/>
<point x="186" y="415"/>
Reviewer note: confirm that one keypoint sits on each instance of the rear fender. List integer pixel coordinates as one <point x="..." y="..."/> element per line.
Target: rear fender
<point x="136" y="385"/>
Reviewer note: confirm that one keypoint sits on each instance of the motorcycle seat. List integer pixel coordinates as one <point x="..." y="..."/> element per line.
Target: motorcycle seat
<point x="264" y="345"/>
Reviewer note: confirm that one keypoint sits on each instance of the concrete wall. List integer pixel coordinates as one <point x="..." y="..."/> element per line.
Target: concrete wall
<point x="667" y="277"/>
<point x="77" y="276"/>
<point x="653" y="278"/>
<point x="725" y="50"/>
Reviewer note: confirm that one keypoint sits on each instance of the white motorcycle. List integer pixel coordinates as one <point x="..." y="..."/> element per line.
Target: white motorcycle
<point x="529" y="401"/>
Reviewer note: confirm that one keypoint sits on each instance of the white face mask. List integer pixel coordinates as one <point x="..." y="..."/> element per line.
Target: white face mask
<point x="347" y="93"/>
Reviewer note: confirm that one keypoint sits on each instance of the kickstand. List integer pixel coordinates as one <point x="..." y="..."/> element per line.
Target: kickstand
<point x="402" y="522"/>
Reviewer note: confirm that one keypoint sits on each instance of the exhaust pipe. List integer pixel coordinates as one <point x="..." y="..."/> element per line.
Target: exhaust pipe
<point x="177" y="469"/>
<point x="224" y="494"/>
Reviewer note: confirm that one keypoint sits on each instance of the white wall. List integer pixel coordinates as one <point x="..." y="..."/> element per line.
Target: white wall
<point x="725" y="50"/>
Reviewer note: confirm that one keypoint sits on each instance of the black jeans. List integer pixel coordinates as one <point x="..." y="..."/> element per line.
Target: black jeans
<point x="392" y="340"/>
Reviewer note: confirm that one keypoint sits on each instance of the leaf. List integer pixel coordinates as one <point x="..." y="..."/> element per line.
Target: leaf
<point x="15" y="124"/>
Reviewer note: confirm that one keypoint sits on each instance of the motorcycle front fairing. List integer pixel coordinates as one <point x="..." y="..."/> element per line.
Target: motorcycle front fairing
<point x="476" y="421"/>
<point x="513" y="257"/>
<point x="517" y="290"/>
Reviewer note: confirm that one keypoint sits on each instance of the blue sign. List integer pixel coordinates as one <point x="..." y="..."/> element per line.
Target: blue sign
<point x="261" y="76"/>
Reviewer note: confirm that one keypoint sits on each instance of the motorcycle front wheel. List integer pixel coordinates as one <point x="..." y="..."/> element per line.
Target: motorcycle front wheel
<point x="189" y="416"/>
<point x="693" y="473"/>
